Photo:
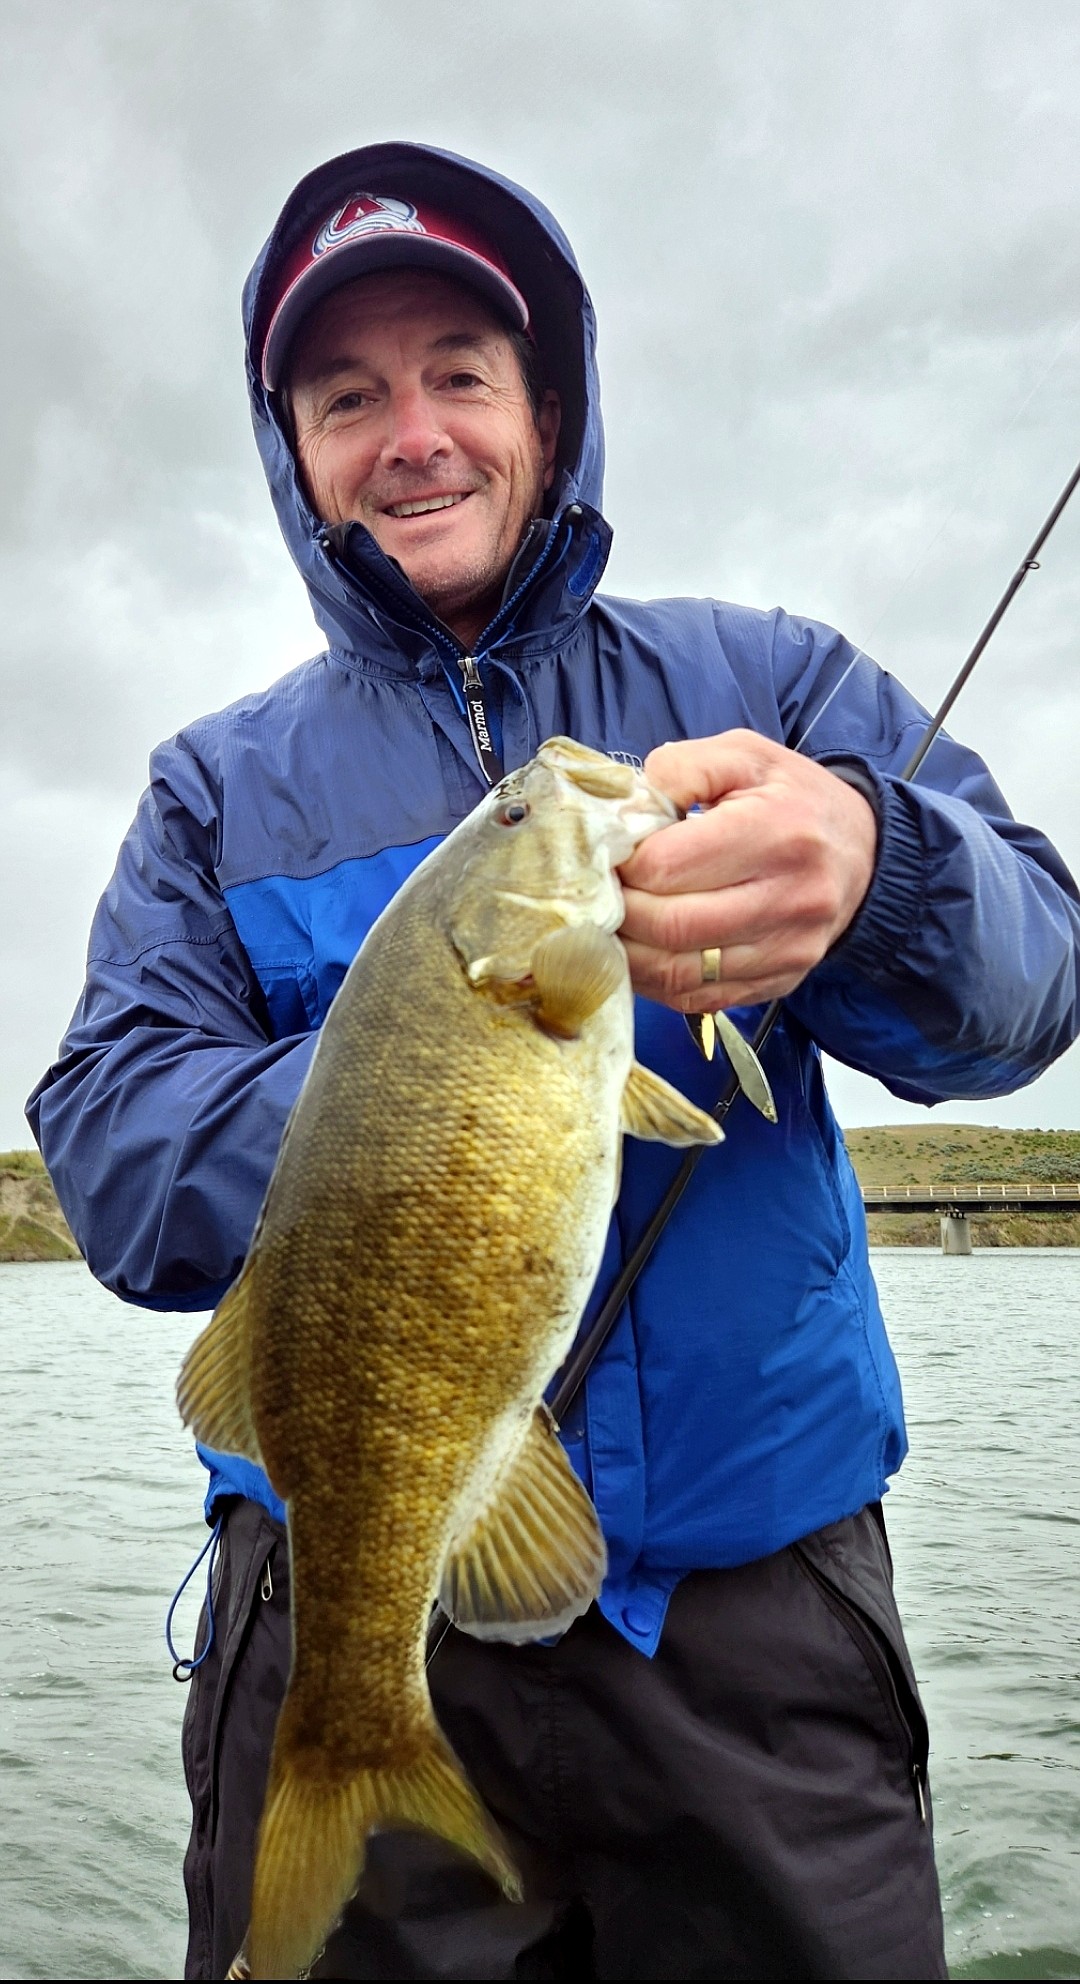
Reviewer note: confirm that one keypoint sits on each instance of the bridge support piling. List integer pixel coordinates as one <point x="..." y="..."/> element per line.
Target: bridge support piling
<point x="955" y="1233"/>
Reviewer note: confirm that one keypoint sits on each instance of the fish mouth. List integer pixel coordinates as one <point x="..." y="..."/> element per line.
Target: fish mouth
<point x="647" y="810"/>
<point x="591" y="771"/>
<point x="640" y="807"/>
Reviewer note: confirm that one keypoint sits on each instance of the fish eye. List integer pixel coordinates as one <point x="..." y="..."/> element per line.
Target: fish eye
<point x="512" y="815"/>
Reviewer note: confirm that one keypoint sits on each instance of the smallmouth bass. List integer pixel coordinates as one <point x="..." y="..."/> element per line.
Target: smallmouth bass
<point x="428" y="1241"/>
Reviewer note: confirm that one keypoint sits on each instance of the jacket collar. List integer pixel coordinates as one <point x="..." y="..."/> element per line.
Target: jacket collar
<point x="547" y="589"/>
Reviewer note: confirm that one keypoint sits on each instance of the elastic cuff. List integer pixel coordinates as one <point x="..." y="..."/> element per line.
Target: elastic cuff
<point x="879" y="930"/>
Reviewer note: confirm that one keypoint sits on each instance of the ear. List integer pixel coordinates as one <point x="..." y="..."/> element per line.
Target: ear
<point x="548" y="423"/>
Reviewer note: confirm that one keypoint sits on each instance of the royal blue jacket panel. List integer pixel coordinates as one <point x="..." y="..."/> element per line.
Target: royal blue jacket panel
<point x="748" y="1395"/>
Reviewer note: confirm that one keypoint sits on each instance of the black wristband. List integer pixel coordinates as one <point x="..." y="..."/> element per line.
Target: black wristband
<point x="861" y="779"/>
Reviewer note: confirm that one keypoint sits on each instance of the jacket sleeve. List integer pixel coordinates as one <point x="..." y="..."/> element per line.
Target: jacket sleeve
<point x="161" y="1119"/>
<point x="960" y="976"/>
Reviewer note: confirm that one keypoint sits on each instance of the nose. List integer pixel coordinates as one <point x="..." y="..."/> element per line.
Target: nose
<point x="414" y="434"/>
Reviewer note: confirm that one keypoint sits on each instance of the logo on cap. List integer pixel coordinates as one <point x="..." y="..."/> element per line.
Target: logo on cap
<point x="367" y="213"/>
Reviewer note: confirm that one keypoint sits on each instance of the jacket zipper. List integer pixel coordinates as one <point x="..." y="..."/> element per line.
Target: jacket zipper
<point x="476" y="710"/>
<point x="479" y="722"/>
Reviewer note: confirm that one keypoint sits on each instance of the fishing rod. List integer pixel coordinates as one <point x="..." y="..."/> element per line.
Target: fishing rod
<point x="584" y="1356"/>
<point x="581" y="1360"/>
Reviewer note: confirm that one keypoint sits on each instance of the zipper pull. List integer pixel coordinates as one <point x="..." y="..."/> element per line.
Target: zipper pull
<point x="267" y="1586"/>
<point x="479" y="725"/>
<point x="920" y="1796"/>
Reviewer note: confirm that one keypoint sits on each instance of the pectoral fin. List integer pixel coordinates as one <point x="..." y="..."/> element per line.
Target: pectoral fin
<point x="652" y="1109"/>
<point x="213" y="1390"/>
<point x="534" y="1559"/>
<point x="574" y="971"/>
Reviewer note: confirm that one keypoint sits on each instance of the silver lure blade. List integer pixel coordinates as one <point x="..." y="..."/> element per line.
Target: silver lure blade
<point x="748" y="1070"/>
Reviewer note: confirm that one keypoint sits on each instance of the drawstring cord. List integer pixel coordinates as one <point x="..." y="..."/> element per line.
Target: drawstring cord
<point x="184" y="1669"/>
<point x="510" y="675"/>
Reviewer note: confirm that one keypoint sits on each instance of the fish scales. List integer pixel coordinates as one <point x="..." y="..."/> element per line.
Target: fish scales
<point x="432" y="1230"/>
<point x="388" y="1269"/>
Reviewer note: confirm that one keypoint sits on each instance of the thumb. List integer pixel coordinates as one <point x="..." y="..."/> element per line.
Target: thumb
<point x="703" y="770"/>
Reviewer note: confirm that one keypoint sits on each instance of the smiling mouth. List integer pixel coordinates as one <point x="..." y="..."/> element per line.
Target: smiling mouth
<point x="425" y="504"/>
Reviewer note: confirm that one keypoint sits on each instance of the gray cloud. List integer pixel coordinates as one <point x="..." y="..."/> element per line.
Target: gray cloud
<point x="832" y="248"/>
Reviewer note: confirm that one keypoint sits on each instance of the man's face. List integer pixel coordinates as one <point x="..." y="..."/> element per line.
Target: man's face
<point x="406" y="391"/>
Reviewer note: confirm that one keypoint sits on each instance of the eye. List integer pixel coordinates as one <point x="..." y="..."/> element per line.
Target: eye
<point x="349" y="402"/>
<point x="512" y="815"/>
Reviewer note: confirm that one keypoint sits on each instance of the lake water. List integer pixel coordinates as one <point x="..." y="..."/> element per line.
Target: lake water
<point x="102" y="1508"/>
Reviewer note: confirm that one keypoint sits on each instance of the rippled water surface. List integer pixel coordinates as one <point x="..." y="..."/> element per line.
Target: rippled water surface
<point x="102" y="1504"/>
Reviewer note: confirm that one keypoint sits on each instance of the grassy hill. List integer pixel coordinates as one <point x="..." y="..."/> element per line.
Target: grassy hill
<point x="968" y="1153"/>
<point x="33" y="1228"/>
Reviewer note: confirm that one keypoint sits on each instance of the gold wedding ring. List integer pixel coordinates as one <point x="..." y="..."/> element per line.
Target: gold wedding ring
<point x="710" y="964"/>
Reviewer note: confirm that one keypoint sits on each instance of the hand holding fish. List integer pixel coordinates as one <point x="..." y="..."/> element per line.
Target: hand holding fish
<point x="771" y="872"/>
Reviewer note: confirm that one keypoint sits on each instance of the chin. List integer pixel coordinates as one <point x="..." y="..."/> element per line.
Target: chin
<point x="456" y="591"/>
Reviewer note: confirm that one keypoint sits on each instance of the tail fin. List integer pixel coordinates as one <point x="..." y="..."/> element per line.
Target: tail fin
<point x="312" y="1846"/>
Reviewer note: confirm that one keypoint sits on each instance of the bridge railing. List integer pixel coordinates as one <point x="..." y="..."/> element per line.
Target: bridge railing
<point x="955" y="1195"/>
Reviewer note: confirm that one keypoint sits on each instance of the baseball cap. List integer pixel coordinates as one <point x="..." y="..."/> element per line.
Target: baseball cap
<point x="377" y="231"/>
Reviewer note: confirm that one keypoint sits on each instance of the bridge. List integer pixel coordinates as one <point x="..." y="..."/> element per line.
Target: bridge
<point x="955" y="1202"/>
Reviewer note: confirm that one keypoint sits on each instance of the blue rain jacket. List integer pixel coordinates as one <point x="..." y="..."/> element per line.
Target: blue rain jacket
<point x="748" y="1394"/>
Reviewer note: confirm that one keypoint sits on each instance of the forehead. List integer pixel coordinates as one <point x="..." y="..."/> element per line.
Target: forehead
<point x="423" y="306"/>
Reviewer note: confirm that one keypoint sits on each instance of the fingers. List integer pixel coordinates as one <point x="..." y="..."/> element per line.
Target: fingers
<point x="742" y="914"/>
<point x="701" y="770"/>
<point x="673" y="978"/>
<point x="731" y="843"/>
<point x="773" y="816"/>
<point x="772" y="872"/>
<point x="762" y="928"/>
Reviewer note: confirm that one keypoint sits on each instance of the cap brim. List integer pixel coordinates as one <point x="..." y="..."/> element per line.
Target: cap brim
<point x="366" y="257"/>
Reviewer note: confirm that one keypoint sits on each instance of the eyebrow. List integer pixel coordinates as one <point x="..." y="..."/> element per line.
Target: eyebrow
<point x="332" y="368"/>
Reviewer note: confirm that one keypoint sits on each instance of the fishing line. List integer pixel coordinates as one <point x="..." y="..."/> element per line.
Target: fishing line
<point x="588" y="1349"/>
<point x="584" y="1355"/>
<point x="962" y="501"/>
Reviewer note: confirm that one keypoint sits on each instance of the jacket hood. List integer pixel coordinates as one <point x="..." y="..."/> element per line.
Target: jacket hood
<point x="358" y="596"/>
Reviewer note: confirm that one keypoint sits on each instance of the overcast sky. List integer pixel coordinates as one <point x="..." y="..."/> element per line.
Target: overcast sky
<point x="834" y="250"/>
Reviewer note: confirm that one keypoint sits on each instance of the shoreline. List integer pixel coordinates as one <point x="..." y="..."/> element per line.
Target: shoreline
<point x="33" y="1228"/>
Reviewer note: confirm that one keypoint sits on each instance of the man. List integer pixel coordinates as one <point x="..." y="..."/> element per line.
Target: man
<point x="721" y="1770"/>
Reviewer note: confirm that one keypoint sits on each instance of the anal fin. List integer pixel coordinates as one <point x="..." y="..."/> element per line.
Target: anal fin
<point x="534" y="1558"/>
<point x="213" y="1391"/>
<point x="652" y="1109"/>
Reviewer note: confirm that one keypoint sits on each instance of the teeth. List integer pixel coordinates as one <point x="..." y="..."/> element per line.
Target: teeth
<point x="429" y="503"/>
